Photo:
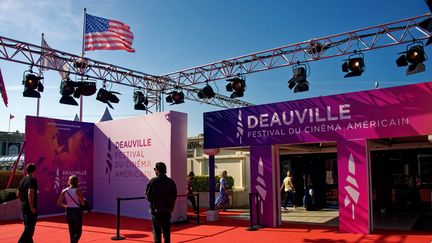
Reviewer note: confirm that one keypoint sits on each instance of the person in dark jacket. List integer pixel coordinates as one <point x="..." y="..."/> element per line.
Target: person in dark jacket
<point x="190" y="193"/>
<point x="161" y="192"/>
<point x="27" y="194"/>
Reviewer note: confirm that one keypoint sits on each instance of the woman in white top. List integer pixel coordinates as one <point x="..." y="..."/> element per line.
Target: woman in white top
<point x="71" y="199"/>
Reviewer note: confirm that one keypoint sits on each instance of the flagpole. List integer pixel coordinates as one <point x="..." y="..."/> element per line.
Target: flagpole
<point x="9" y="122"/>
<point x="40" y="75"/>
<point x="82" y="55"/>
<point x="84" y="25"/>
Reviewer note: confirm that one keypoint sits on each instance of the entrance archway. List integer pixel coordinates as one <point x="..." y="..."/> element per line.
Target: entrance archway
<point x="349" y="119"/>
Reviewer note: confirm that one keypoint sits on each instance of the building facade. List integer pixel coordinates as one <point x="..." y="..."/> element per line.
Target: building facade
<point x="236" y="162"/>
<point x="10" y="146"/>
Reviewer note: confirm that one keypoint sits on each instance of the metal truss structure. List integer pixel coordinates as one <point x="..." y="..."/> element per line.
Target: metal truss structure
<point x="154" y="86"/>
<point x="366" y="39"/>
<point x="191" y="80"/>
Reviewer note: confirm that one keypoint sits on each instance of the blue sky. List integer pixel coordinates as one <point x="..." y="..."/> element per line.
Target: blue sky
<point x="173" y="35"/>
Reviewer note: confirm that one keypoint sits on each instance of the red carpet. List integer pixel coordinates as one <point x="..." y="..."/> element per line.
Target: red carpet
<point x="101" y="227"/>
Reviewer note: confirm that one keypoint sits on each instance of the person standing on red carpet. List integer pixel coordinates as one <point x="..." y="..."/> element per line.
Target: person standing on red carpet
<point x="222" y="200"/>
<point x="27" y="194"/>
<point x="161" y="192"/>
<point x="74" y="198"/>
<point x="289" y="189"/>
<point x="190" y="194"/>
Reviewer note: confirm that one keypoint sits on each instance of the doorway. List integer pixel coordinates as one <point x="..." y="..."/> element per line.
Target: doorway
<point x="402" y="189"/>
<point x="315" y="181"/>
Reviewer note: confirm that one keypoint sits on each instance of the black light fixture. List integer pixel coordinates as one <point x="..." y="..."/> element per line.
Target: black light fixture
<point x="107" y="97"/>
<point x="427" y="25"/>
<point x="84" y="88"/>
<point x="67" y="88"/>
<point x="354" y="65"/>
<point x="298" y="81"/>
<point x="413" y="57"/>
<point x="32" y="84"/>
<point x="140" y="100"/>
<point x="175" y="97"/>
<point x="237" y="86"/>
<point x="206" y="92"/>
<point x="80" y="63"/>
<point x="316" y="47"/>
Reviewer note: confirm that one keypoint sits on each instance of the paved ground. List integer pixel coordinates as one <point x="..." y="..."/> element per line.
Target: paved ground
<point x="330" y="217"/>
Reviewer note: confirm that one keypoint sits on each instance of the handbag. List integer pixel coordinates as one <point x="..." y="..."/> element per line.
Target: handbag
<point x="85" y="207"/>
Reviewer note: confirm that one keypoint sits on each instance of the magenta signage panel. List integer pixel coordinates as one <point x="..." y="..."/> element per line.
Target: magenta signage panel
<point x="353" y="186"/>
<point x="59" y="149"/>
<point x="397" y="111"/>
<point x="262" y="183"/>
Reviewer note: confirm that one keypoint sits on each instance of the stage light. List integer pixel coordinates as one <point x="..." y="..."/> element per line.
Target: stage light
<point x="32" y="84"/>
<point x="427" y="25"/>
<point x="316" y="47"/>
<point x="413" y="57"/>
<point x="175" y="97"/>
<point x="67" y="88"/>
<point x="206" y="92"/>
<point x="85" y="88"/>
<point x="354" y="66"/>
<point x="80" y="63"/>
<point x="140" y="100"/>
<point x="298" y="81"/>
<point x="107" y="97"/>
<point x="237" y="86"/>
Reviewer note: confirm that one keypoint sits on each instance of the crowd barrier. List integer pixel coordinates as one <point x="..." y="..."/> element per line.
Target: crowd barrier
<point x="119" y="199"/>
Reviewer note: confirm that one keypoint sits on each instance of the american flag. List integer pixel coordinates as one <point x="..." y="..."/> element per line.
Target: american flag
<point x="107" y="34"/>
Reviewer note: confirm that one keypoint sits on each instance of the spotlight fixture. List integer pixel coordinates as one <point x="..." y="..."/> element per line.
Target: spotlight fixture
<point x="206" y="92"/>
<point x="298" y="81"/>
<point x="427" y="25"/>
<point x="316" y="47"/>
<point x="237" y="86"/>
<point x="140" y="100"/>
<point x="354" y="65"/>
<point x="107" y="97"/>
<point x="413" y="57"/>
<point x="84" y="88"/>
<point x="80" y="63"/>
<point x="175" y="97"/>
<point x="67" y="88"/>
<point x="32" y="84"/>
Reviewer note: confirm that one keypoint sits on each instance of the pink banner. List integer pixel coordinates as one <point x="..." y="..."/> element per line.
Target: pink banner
<point x="125" y="158"/>
<point x="353" y="186"/>
<point x="59" y="149"/>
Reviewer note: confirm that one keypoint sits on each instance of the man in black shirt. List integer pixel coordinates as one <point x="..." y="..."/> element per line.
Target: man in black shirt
<point x="27" y="193"/>
<point x="161" y="192"/>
